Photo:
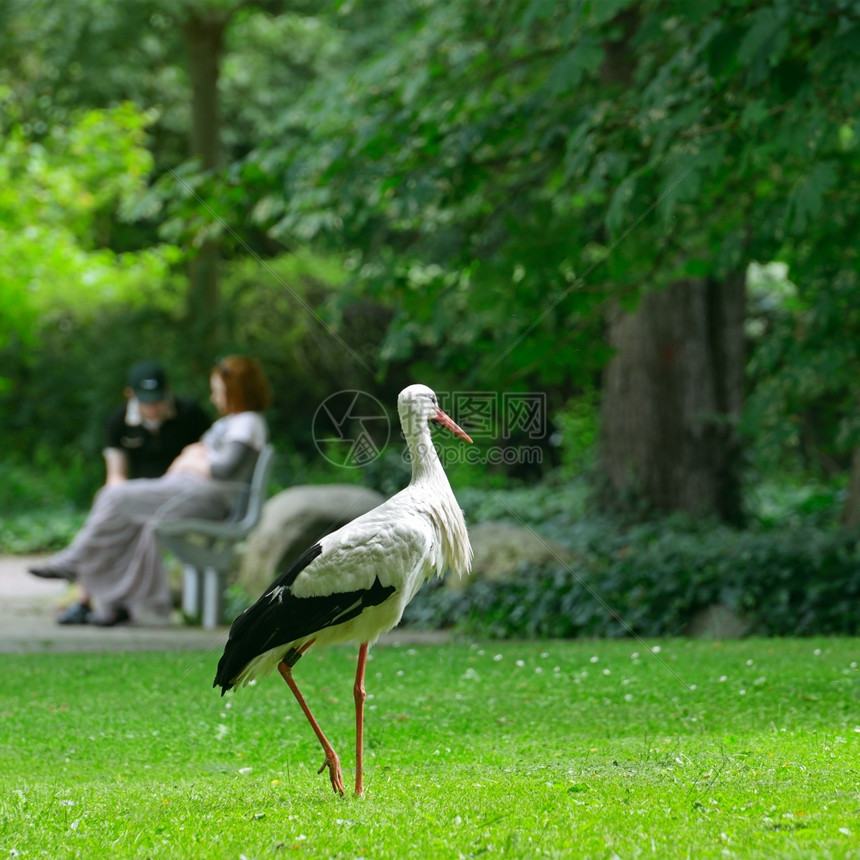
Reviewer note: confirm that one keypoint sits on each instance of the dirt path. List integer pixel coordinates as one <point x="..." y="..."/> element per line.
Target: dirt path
<point x="28" y="607"/>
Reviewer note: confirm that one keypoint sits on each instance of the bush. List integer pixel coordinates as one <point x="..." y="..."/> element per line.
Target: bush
<point x="45" y="530"/>
<point x="39" y="503"/>
<point x="652" y="580"/>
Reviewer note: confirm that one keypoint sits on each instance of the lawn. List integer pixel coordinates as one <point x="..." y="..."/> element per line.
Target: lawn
<point x="555" y="749"/>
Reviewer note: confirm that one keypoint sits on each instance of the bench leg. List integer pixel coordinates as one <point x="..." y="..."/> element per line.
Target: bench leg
<point x="192" y="591"/>
<point x="213" y="598"/>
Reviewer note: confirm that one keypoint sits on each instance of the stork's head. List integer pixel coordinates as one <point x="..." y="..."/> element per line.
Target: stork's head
<point x="417" y="405"/>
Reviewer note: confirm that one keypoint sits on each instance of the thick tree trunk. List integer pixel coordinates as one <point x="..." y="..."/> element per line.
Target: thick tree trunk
<point x="851" y="508"/>
<point x="671" y="400"/>
<point x="204" y="38"/>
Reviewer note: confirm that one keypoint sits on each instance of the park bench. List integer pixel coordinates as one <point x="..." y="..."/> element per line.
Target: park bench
<point x="207" y="548"/>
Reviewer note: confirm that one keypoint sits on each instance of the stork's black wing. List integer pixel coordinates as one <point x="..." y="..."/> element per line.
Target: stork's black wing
<point x="279" y="617"/>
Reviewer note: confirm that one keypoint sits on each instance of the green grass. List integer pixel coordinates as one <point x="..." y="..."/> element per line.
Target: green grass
<point x="742" y="749"/>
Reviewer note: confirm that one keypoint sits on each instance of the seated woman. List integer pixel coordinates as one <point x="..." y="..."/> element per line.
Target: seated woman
<point x="115" y="557"/>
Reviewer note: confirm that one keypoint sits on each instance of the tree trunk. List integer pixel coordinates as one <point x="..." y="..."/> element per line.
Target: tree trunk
<point x="851" y="508"/>
<point x="204" y="38"/>
<point x="671" y="400"/>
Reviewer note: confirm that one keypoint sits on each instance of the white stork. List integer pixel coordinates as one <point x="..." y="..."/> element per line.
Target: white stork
<point x="354" y="584"/>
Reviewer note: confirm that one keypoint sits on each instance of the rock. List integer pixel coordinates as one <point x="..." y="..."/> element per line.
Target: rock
<point x="294" y="520"/>
<point x="717" y="622"/>
<point x="499" y="549"/>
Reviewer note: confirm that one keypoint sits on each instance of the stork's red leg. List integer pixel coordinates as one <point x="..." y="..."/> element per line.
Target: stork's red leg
<point x="331" y="760"/>
<point x="359" y="694"/>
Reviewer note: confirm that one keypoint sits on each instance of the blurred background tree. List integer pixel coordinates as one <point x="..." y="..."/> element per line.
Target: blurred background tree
<point x="563" y="197"/>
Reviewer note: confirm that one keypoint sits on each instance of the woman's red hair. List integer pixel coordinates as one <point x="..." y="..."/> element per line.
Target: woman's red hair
<point x="245" y="384"/>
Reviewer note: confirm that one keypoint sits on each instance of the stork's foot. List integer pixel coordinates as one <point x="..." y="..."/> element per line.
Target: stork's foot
<point x="332" y="762"/>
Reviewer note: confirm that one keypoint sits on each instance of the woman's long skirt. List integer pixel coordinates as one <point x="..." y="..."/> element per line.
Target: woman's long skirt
<point x="116" y="554"/>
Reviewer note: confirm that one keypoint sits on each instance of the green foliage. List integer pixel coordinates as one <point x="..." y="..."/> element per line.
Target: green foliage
<point x="57" y="198"/>
<point x="42" y="505"/>
<point x="804" y="366"/>
<point x="47" y="529"/>
<point x="794" y="501"/>
<point x="502" y="172"/>
<point x="557" y="507"/>
<point x="30" y="486"/>
<point x="578" y="432"/>
<point x="553" y="750"/>
<point x="55" y="408"/>
<point x="653" y="580"/>
<point x="58" y="396"/>
<point x="493" y="176"/>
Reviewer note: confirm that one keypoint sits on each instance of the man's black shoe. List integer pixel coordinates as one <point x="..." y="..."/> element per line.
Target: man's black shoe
<point x="77" y="613"/>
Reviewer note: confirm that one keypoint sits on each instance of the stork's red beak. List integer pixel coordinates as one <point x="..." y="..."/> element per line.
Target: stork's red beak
<point x="446" y="422"/>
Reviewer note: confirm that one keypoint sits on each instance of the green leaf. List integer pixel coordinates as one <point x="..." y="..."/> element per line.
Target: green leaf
<point x="697" y="267"/>
<point x="807" y="198"/>
<point x="760" y="36"/>
<point x="605" y="10"/>
<point x="753" y="114"/>
<point x="619" y="213"/>
<point x="568" y="72"/>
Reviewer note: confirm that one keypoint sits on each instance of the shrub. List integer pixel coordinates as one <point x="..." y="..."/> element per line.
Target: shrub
<point x="652" y="580"/>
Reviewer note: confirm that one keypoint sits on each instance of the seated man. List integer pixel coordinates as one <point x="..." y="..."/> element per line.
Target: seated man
<point x="148" y="433"/>
<point x="143" y="438"/>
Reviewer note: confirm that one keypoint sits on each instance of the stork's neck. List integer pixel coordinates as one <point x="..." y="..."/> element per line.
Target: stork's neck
<point x="430" y="485"/>
<point x="426" y="467"/>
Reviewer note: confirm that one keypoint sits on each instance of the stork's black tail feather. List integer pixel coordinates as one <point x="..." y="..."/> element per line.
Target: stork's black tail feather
<point x="225" y="674"/>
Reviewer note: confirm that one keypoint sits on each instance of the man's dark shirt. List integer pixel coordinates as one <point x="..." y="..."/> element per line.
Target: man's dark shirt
<point x="149" y="454"/>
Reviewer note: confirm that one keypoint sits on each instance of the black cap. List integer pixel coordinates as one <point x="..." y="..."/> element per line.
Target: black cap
<point x="149" y="381"/>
